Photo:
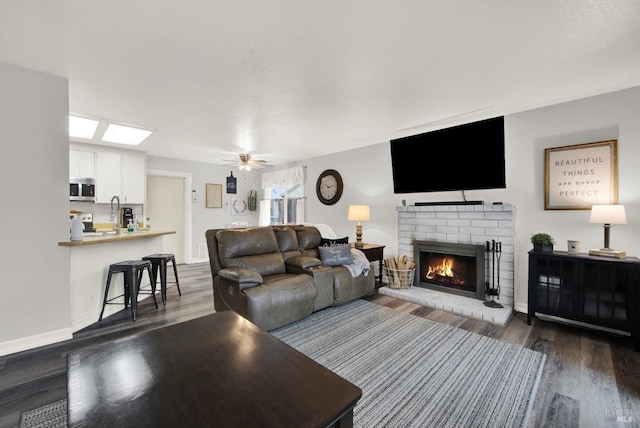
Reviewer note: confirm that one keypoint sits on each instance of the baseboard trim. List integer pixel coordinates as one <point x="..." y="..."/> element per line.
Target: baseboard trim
<point x="521" y="307"/>
<point x="35" y="341"/>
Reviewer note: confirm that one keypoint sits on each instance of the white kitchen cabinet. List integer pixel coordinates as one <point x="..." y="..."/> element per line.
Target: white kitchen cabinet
<point x="120" y="174"/>
<point x="82" y="163"/>
<point x="134" y="176"/>
<point x="108" y="176"/>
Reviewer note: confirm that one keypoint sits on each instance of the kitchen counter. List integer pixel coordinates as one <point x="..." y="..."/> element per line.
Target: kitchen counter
<point x="89" y="266"/>
<point x="124" y="236"/>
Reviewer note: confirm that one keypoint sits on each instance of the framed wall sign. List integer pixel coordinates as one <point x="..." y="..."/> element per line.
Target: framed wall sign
<point x="214" y="195"/>
<point x="232" y="184"/>
<point x="577" y="177"/>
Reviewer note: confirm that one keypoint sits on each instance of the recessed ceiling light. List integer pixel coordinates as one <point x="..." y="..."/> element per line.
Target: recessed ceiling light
<point x="81" y="127"/>
<point x="122" y="134"/>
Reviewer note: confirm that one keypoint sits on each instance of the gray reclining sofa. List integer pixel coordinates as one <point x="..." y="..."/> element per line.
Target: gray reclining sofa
<point x="274" y="275"/>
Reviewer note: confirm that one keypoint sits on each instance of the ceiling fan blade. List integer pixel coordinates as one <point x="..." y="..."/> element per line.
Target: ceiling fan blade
<point x="245" y="161"/>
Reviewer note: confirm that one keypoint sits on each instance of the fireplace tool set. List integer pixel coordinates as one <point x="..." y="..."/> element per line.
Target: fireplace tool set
<point x="493" y="249"/>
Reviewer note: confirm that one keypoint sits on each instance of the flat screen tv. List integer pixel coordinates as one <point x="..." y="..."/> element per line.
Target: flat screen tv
<point x="464" y="157"/>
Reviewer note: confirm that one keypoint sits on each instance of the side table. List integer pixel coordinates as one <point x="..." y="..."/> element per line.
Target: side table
<point x="373" y="253"/>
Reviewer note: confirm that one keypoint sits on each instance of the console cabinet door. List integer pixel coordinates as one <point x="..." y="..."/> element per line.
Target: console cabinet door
<point x="606" y="292"/>
<point x="557" y="289"/>
<point x="594" y="290"/>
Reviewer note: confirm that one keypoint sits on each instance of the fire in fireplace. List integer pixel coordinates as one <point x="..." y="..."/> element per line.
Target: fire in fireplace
<point x="451" y="267"/>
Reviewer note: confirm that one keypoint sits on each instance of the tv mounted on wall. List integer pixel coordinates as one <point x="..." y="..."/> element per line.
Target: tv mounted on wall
<point x="464" y="157"/>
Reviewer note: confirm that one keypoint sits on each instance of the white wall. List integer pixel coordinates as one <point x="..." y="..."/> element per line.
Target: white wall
<point x="204" y="218"/>
<point x="367" y="177"/>
<point x="35" y="308"/>
<point x="368" y="180"/>
<point x="34" y="169"/>
<point x="605" y="117"/>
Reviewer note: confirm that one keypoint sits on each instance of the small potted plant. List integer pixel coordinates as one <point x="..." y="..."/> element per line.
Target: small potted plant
<point x="542" y="242"/>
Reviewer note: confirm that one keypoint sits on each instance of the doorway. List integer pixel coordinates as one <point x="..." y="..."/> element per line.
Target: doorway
<point x="166" y="209"/>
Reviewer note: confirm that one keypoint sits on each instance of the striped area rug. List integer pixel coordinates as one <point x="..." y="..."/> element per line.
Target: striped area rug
<point x="52" y="415"/>
<point x="415" y="372"/>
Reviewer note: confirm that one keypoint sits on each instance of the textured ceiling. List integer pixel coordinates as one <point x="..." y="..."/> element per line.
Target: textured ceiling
<point x="290" y="80"/>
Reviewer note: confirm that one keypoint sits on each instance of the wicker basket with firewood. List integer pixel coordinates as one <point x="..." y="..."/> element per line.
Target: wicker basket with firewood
<point x="400" y="272"/>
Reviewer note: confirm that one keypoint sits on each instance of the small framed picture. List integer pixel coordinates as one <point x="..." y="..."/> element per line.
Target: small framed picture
<point x="577" y="177"/>
<point x="214" y="195"/>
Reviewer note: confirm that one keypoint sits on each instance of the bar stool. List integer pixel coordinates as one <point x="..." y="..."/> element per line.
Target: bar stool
<point x="132" y="270"/>
<point x="159" y="263"/>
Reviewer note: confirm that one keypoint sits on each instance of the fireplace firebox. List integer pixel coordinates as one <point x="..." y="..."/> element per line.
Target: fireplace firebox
<point x="451" y="267"/>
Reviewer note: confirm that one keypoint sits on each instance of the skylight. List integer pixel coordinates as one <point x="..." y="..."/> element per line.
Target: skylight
<point x="122" y="134"/>
<point x="81" y="127"/>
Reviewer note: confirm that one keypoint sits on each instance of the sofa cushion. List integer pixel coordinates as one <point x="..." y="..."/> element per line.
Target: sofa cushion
<point x="280" y="300"/>
<point x="335" y="256"/>
<point x="252" y="248"/>
<point x="308" y="237"/>
<point x="347" y="288"/>
<point x="287" y="241"/>
<point x="330" y="242"/>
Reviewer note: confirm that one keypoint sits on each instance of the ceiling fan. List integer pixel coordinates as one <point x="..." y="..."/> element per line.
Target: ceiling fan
<point x="246" y="163"/>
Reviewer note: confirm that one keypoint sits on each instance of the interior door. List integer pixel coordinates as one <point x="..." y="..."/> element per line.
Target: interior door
<point x="165" y="211"/>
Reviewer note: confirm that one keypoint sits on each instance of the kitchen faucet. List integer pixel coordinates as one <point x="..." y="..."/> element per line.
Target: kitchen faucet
<point x="119" y="215"/>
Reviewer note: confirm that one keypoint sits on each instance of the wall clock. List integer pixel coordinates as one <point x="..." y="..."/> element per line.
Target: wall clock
<point x="329" y="186"/>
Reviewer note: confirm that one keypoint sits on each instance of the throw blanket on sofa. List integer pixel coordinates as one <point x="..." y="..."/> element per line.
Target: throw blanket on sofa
<point x="360" y="263"/>
<point x="325" y="230"/>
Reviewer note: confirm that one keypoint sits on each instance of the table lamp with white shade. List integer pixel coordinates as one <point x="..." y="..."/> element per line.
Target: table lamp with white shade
<point x="359" y="213"/>
<point x="608" y="215"/>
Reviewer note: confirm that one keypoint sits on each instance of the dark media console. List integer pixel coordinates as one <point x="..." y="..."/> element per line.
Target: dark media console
<point x="422" y="204"/>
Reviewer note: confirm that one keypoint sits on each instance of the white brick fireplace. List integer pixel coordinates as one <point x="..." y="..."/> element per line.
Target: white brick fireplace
<point x="466" y="224"/>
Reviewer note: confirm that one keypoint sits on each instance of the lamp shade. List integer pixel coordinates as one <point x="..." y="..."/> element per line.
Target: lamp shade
<point x="608" y="214"/>
<point x="359" y="213"/>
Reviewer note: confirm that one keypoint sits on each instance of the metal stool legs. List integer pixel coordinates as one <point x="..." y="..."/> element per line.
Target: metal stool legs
<point x="132" y="271"/>
<point x="159" y="263"/>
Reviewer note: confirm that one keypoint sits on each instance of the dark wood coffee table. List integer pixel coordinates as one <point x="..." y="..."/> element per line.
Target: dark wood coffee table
<point x="219" y="370"/>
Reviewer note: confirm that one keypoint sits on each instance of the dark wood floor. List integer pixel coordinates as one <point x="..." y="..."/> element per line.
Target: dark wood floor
<point x="590" y="378"/>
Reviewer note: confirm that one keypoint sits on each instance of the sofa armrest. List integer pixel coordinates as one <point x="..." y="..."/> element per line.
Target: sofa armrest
<point x="245" y="278"/>
<point x="302" y="262"/>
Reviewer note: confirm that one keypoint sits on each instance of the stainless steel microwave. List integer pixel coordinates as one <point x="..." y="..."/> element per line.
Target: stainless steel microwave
<point x="82" y="189"/>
